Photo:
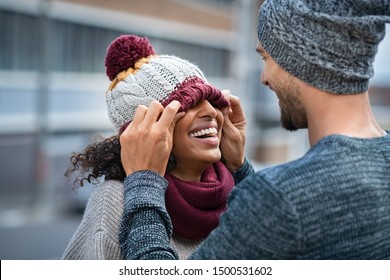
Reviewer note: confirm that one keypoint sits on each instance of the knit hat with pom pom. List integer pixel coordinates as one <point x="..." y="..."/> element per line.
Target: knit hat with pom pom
<point x="138" y="76"/>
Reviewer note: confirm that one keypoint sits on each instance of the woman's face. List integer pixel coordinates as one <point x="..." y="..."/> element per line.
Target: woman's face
<point x="196" y="140"/>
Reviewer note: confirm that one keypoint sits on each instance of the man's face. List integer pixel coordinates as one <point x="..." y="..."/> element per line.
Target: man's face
<point x="286" y="88"/>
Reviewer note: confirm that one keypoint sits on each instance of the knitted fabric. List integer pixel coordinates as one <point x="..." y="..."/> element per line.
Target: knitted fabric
<point x="188" y="93"/>
<point x="124" y="53"/>
<point x="328" y="44"/>
<point x="139" y="76"/>
<point x="153" y="227"/>
<point x="97" y="236"/>
<point x="333" y="203"/>
<point x="195" y="207"/>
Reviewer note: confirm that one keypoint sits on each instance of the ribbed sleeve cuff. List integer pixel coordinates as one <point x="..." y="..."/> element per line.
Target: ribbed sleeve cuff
<point x="143" y="180"/>
<point x="245" y="170"/>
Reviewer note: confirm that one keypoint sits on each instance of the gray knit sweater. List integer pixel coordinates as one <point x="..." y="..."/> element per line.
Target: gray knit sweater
<point x="333" y="203"/>
<point x="97" y="237"/>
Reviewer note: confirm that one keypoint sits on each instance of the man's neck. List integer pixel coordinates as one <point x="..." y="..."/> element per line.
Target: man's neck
<point x="349" y="115"/>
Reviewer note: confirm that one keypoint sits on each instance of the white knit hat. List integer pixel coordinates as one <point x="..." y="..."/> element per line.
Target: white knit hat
<point x="139" y="76"/>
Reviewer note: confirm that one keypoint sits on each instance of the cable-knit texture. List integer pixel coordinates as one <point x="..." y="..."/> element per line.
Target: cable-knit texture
<point x="333" y="203"/>
<point x="155" y="80"/>
<point x="139" y="76"/>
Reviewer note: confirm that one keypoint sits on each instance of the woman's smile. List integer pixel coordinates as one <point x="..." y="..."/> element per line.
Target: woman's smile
<point x="206" y="135"/>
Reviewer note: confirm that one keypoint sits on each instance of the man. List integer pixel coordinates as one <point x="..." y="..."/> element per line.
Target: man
<point x="334" y="202"/>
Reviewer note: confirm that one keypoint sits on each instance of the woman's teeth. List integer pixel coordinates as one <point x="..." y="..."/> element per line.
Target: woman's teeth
<point x="205" y="132"/>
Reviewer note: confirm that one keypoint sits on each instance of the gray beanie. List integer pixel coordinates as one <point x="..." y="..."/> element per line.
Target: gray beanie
<point x="329" y="44"/>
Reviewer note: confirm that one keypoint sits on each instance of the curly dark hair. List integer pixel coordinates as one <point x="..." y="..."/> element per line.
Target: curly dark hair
<point x="99" y="159"/>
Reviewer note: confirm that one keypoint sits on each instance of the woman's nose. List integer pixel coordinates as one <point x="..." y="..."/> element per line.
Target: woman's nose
<point x="206" y="109"/>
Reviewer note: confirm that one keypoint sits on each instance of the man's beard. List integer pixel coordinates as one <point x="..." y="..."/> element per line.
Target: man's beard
<point x="287" y="122"/>
<point x="292" y="117"/>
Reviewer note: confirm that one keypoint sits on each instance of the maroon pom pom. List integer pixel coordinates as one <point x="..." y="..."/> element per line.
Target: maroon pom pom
<point x="124" y="52"/>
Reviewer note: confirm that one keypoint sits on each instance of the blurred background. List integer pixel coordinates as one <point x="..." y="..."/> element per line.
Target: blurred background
<point x="52" y="97"/>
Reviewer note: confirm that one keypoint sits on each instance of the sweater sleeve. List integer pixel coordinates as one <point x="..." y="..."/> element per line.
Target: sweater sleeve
<point x="260" y="223"/>
<point x="146" y="226"/>
<point x="244" y="171"/>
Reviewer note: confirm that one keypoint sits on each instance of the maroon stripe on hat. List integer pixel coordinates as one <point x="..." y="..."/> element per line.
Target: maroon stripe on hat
<point x="192" y="90"/>
<point x="189" y="93"/>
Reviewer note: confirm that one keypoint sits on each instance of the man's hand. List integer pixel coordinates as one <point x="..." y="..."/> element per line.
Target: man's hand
<point x="234" y="135"/>
<point x="147" y="142"/>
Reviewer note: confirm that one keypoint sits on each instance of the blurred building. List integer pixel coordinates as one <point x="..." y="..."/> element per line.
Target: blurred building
<point x="53" y="84"/>
<point x="53" y="79"/>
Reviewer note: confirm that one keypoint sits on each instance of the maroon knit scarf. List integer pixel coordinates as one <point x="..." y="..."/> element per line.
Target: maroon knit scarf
<point x="195" y="207"/>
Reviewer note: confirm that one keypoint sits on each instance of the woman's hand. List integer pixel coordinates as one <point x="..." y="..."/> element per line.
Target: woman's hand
<point x="234" y="134"/>
<point x="147" y="142"/>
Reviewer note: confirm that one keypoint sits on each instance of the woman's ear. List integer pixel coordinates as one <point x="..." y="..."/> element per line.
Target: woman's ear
<point x="171" y="162"/>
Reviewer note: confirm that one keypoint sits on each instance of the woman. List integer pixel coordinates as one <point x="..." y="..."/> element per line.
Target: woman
<point x="198" y="182"/>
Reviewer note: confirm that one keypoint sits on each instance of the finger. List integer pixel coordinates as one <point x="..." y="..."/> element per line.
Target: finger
<point x="154" y="112"/>
<point x="234" y="101"/>
<point x="178" y="116"/>
<point x="228" y="126"/>
<point x="235" y="105"/>
<point x="139" y="114"/>
<point x="226" y="93"/>
<point x="169" y="114"/>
